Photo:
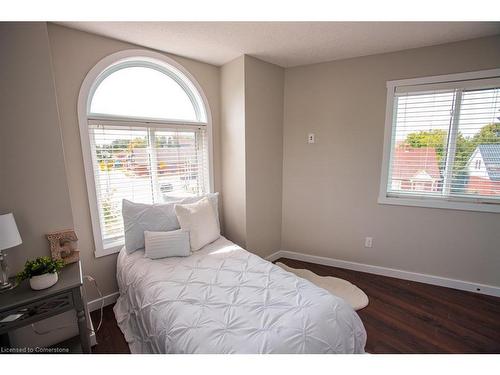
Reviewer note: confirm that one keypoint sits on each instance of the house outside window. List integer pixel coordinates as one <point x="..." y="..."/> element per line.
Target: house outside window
<point x="484" y="178"/>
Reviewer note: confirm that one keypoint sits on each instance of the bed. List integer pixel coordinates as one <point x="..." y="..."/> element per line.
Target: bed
<point x="224" y="299"/>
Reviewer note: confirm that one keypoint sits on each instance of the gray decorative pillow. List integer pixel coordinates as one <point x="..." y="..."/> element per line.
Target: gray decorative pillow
<point x="140" y="217"/>
<point x="167" y="244"/>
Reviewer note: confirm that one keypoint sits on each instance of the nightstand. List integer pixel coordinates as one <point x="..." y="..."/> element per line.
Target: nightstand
<point x="36" y="305"/>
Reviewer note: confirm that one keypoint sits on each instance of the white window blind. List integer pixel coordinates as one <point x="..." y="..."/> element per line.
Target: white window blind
<point x="445" y="142"/>
<point x="145" y="165"/>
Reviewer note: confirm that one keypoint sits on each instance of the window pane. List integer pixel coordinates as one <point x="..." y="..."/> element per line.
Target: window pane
<point x="142" y="92"/>
<point x="476" y="170"/>
<point x="127" y="165"/>
<point x="121" y="171"/>
<point x="180" y="164"/>
<point x="419" y="141"/>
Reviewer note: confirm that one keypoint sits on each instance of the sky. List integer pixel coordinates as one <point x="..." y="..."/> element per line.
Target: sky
<point x="142" y="92"/>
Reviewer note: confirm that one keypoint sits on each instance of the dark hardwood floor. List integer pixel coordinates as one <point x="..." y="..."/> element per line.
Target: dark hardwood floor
<point x="109" y="337"/>
<point x="402" y="316"/>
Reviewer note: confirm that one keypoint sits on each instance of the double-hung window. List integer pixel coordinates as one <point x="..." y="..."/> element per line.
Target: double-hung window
<point x="145" y="138"/>
<point x="442" y="142"/>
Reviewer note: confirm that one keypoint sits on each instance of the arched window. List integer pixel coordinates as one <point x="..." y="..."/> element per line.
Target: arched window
<point x="145" y="130"/>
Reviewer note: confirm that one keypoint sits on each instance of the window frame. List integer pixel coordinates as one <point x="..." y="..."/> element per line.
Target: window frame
<point x="94" y="77"/>
<point x="455" y="202"/>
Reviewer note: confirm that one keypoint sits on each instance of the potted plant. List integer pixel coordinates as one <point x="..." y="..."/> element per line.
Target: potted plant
<point x="41" y="272"/>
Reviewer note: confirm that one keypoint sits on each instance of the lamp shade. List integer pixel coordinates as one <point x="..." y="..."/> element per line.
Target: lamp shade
<point x="9" y="235"/>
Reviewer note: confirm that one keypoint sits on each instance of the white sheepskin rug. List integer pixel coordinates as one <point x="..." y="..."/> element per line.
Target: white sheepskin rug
<point x="338" y="287"/>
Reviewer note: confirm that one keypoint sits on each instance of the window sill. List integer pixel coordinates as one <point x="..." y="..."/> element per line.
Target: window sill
<point x="112" y="249"/>
<point x="438" y="203"/>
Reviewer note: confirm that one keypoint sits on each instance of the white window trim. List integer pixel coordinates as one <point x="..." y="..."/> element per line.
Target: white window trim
<point x="84" y="97"/>
<point x="419" y="201"/>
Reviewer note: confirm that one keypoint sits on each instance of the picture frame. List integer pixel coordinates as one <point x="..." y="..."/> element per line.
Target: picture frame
<point x="64" y="245"/>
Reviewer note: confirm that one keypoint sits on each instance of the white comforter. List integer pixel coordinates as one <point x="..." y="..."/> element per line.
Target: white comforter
<point x="223" y="299"/>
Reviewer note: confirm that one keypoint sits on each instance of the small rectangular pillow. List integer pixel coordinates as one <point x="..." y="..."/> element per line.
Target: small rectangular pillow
<point x="200" y="220"/>
<point x="174" y="243"/>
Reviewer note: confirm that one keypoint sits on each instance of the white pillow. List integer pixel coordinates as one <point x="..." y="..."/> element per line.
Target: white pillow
<point x="200" y="220"/>
<point x="212" y="197"/>
<point x="174" y="243"/>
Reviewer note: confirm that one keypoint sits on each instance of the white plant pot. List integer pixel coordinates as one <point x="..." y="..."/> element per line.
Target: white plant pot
<point x="43" y="281"/>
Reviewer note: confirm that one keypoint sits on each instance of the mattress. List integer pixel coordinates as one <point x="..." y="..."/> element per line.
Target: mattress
<point x="224" y="299"/>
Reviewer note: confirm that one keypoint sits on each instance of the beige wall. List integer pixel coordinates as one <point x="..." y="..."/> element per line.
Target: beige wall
<point x="330" y="188"/>
<point x="264" y="154"/>
<point x="32" y="173"/>
<point x="233" y="150"/>
<point x="74" y="53"/>
<point x="252" y="153"/>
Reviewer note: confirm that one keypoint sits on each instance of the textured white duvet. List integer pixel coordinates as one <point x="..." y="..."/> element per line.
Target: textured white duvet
<point x="223" y="299"/>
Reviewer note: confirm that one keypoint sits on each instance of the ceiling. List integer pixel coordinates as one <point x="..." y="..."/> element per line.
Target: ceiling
<point x="286" y="43"/>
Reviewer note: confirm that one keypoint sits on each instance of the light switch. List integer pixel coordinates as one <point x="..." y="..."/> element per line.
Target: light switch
<point x="368" y="241"/>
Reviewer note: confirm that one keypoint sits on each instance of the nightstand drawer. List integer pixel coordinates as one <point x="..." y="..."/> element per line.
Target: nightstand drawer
<point x="36" y="311"/>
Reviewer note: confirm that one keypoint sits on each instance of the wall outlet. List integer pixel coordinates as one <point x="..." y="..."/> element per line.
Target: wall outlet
<point x="311" y="138"/>
<point x="368" y="241"/>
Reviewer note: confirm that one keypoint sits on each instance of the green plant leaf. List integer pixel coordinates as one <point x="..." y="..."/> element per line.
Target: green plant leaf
<point x="39" y="266"/>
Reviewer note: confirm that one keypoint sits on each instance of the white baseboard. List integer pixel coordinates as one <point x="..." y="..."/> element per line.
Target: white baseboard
<point x="108" y="300"/>
<point x="93" y="338"/>
<point x="390" y="272"/>
<point x="275" y="256"/>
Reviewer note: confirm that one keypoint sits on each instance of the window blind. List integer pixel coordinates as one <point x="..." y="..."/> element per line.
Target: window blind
<point x="445" y="142"/>
<point x="145" y="165"/>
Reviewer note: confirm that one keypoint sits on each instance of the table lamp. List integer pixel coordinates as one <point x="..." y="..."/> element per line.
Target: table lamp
<point x="9" y="237"/>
